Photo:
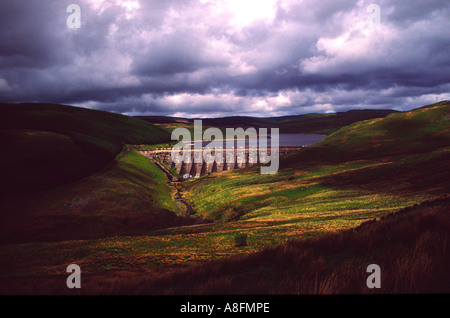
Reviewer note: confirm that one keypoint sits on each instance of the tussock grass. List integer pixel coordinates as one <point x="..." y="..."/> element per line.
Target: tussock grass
<point x="411" y="246"/>
<point x="300" y="222"/>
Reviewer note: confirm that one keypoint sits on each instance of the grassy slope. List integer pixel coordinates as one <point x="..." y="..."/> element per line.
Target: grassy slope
<point x="374" y="164"/>
<point x="34" y="160"/>
<point x="129" y="197"/>
<point x="328" y="123"/>
<point x="48" y="144"/>
<point x="108" y="128"/>
<point x="318" y="190"/>
<point x="410" y="246"/>
<point x="418" y="131"/>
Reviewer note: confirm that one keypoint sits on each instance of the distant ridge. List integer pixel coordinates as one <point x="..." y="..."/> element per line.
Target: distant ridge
<point x="309" y="123"/>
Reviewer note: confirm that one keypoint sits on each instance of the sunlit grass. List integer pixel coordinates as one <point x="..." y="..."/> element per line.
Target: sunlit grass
<point x="276" y="209"/>
<point x="306" y="198"/>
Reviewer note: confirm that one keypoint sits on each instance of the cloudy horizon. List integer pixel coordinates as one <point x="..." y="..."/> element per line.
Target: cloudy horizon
<point x="208" y="58"/>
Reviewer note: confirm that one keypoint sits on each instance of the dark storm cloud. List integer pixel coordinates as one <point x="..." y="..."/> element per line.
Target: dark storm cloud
<point x="407" y="12"/>
<point x="179" y="52"/>
<point x="26" y="35"/>
<point x="213" y="58"/>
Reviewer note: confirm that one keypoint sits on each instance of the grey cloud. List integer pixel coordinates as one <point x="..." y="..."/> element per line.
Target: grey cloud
<point x="180" y="52"/>
<point x="407" y="12"/>
<point x="177" y="47"/>
<point x="27" y="34"/>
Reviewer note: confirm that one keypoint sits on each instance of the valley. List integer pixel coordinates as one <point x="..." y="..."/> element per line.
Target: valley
<point x="128" y="232"/>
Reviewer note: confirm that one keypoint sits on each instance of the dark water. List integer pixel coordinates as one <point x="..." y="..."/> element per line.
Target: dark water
<point x="286" y="140"/>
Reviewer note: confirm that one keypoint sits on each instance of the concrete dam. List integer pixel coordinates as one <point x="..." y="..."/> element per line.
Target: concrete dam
<point x="243" y="158"/>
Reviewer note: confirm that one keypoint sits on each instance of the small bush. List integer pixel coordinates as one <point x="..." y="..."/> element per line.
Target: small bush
<point x="240" y="239"/>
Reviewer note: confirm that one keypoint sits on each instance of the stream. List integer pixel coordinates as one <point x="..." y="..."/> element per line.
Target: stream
<point x="180" y="198"/>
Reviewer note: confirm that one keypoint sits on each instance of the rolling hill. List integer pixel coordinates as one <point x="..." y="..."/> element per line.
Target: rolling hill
<point x="360" y="172"/>
<point x="47" y="144"/>
<point x="128" y="197"/>
<point x="373" y="192"/>
<point x="410" y="246"/>
<point x="403" y="153"/>
<point x="309" y="123"/>
<point x="66" y="175"/>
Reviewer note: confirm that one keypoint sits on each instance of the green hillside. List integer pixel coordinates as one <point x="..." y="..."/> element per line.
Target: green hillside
<point x="417" y="131"/>
<point x="313" y="227"/>
<point x="375" y="164"/>
<point x="49" y="144"/>
<point x="103" y="129"/>
<point x="128" y="197"/>
<point x="328" y="123"/>
<point x="66" y="175"/>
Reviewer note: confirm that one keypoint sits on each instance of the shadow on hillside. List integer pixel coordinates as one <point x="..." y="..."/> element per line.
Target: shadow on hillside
<point x="410" y="246"/>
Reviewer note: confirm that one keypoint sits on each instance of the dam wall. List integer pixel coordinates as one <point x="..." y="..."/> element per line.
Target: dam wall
<point x="242" y="158"/>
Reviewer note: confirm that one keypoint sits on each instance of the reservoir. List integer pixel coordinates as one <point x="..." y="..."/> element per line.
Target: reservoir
<point x="296" y="140"/>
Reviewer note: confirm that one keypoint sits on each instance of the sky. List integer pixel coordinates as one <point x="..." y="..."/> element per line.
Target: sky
<point x="214" y="58"/>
